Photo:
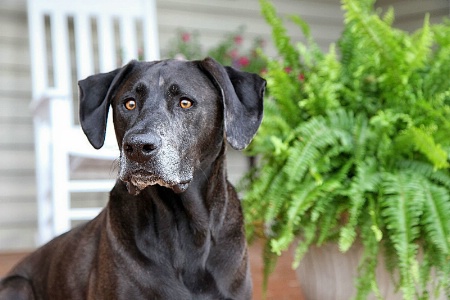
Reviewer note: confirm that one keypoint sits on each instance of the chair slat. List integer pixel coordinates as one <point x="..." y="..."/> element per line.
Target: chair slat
<point x="150" y="32"/>
<point x="83" y="42"/>
<point x="106" y="43"/>
<point x="60" y="50"/>
<point x="128" y="39"/>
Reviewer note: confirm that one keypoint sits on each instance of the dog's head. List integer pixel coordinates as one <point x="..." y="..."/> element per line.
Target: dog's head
<point x="170" y="117"/>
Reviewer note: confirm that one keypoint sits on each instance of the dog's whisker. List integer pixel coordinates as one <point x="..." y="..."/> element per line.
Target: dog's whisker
<point x="115" y="166"/>
<point x="204" y="174"/>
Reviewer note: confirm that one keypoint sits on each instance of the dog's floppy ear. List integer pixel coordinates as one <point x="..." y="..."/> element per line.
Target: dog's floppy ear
<point x="242" y="95"/>
<point x="96" y="92"/>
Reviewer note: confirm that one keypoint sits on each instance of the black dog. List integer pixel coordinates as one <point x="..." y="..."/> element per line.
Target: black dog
<point x="173" y="227"/>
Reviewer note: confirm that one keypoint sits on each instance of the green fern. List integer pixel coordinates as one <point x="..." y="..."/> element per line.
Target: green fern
<point x="353" y="149"/>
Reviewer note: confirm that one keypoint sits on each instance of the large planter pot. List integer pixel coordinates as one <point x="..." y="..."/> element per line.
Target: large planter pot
<point x="327" y="273"/>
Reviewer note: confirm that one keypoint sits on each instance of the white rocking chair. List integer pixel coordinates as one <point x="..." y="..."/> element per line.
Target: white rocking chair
<point x="70" y="40"/>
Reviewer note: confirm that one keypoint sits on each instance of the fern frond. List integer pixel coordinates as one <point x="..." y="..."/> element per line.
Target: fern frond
<point x="321" y="87"/>
<point x="325" y="212"/>
<point x="423" y="141"/>
<point x="435" y="271"/>
<point x="383" y="46"/>
<point x="401" y="211"/>
<point x="279" y="34"/>
<point x="427" y="170"/>
<point x="303" y="26"/>
<point x="366" y="281"/>
<point x="309" y="234"/>
<point x="278" y="196"/>
<point x="435" y="220"/>
<point x="273" y="125"/>
<point x="419" y="46"/>
<point x="284" y="92"/>
<point x="257" y="201"/>
<point x="313" y="136"/>
<point x="326" y="222"/>
<point x="434" y="82"/>
<point x="389" y="16"/>
<point x="299" y="202"/>
<point x="314" y="51"/>
<point x="366" y="180"/>
<point x="372" y="26"/>
<point x="308" y="194"/>
<point x="270" y="260"/>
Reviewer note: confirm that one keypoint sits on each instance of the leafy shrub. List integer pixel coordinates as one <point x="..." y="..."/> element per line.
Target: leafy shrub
<point x="230" y="51"/>
<point x="355" y="145"/>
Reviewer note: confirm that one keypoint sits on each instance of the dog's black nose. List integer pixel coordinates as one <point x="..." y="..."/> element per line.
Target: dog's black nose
<point x="140" y="147"/>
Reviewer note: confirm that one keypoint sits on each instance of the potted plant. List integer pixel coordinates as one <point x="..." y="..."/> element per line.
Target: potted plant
<point x="354" y="148"/>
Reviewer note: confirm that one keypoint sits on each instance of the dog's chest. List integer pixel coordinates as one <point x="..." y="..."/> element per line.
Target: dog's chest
<point x="177" y="257"/>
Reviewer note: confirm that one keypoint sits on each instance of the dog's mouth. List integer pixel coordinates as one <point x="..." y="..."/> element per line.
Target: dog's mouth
<point x="138" y="181"/>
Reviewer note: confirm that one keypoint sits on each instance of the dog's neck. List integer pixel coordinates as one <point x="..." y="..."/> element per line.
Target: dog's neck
<point x="200" y="210"/>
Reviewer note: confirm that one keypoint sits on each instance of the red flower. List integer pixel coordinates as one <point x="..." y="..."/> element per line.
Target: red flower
<point x="288" y="69"/>
<point x="244" y="61"/>
<point x="238" y="40"/>
<point x="301" y="77"/>
<point x="185" y="37"/>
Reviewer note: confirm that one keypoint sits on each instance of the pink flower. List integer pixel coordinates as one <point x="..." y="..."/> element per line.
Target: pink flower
<point x="301" y="77"/>
<point x="185" y="37"/>
<point x="244" y="61"/>
<point x="233" y="53"/>
<point x="238" y="40"/>
<point x="288" y="69"/>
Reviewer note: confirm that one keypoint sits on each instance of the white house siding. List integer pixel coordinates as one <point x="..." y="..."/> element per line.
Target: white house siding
<point x="211" y="18"/>
<point x="17" y="181"/>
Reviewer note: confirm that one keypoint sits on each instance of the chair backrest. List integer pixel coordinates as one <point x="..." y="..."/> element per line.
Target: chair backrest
<point x="71" y="40"/>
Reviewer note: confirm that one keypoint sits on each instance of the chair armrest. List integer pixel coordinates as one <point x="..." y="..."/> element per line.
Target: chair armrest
<point x="39" y="106"/>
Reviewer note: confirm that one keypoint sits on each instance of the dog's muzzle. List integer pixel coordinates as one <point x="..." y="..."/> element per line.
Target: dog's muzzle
<point x="146" y="161"/>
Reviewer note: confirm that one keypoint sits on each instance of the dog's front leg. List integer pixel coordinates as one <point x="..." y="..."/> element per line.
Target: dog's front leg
<point x="16" y="288"/>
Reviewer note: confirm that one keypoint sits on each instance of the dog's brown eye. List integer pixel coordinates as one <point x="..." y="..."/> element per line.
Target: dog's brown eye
<point x="185" y="103"/>
<point x="130" y="104"/>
